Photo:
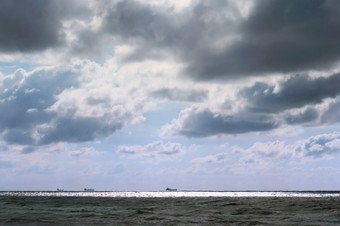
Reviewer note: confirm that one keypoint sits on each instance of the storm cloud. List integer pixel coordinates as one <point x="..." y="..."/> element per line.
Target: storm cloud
<point x="194" y="122"/>
<point x="332" y="114"/>
<point x="156" y="32"/>
<point x="309" y="115"/>
<point x="297" y="91"/>
<point x="28" y="25"/>
<point x="299" y="100"/>
<point x="278" y="36"/>
<point x="35" y="25"/>
<point x="214" y="40"/>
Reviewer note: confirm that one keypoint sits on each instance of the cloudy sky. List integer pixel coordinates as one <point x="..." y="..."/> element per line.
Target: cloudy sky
<point x="149" y="94"/>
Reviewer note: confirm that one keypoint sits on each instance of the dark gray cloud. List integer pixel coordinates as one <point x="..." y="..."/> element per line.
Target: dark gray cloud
<point x="154" y="29"/>
<point x="204" y="123"/>
<point x="278" y="36"/>
<point x="34" y="25"/>
<point x="296" y="92"/>
<point x="265" y="107"/>
<point x="28" y="150"/>
<point x="130" y="19"/>
<point x="210" y="37"/>
<point x="143" y="26"/>
<point x="332" y="114"/>
<point x="309" y="115"/>
<point x="74" y="130"/>
<point x="28" y="25"/>
<point x="180" y="95"/>
<point x="17" y="136"/>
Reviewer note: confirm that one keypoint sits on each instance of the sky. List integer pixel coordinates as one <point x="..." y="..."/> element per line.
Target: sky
<point x="148" y="94"/>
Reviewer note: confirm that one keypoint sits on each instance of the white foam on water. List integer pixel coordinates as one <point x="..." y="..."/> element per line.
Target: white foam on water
<point x="176" y="194"/>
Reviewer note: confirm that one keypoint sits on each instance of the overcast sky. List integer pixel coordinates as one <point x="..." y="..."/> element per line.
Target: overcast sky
<point x="190" y="94"/>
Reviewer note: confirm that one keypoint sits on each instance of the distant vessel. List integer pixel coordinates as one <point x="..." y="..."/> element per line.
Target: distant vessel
<point x="88" y="189"/>
<point x="58" y="189"/>
<point x="170" y="189"/>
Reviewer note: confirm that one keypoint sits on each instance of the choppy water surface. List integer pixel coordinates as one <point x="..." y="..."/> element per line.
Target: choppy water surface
<point x="170" y="208"/>
<point x="177" y="194"/>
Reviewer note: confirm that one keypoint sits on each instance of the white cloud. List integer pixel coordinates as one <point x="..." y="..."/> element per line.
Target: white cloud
<point x="220" y="157"/>
<point x="84" y="151"/>
<point x="82" y="101"/>
<point x="314" y="147"/>
<point x="157" y="150"/>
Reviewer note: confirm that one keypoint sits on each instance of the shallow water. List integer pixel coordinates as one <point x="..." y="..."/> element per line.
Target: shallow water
<point x="112" y="208"/>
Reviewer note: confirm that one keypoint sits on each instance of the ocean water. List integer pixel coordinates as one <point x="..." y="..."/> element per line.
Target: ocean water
<point x="170" y="208"/>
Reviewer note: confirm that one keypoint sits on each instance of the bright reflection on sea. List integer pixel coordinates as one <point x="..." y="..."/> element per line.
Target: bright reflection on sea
<point x="176" y="194"/>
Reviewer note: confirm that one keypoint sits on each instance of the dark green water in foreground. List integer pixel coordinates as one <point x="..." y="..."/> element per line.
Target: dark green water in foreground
<point x="61" y="210"/>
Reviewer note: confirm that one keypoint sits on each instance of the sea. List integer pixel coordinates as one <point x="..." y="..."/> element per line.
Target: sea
<point x="170" y="208"/>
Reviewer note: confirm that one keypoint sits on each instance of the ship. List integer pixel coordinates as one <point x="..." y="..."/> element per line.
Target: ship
<point x="88" y="189"/>
<point x="170" y="189"/>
